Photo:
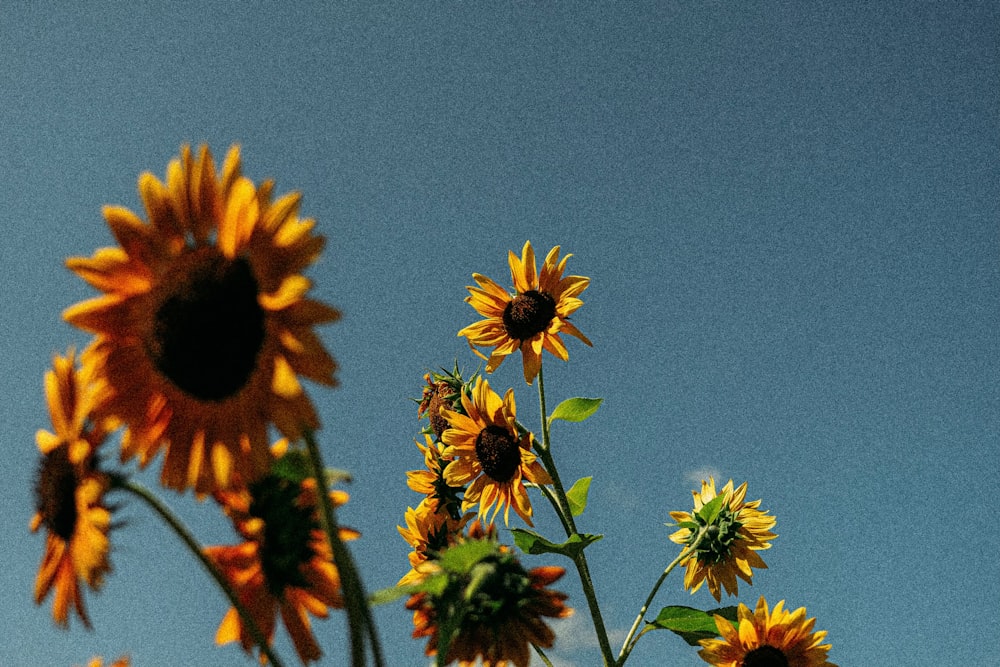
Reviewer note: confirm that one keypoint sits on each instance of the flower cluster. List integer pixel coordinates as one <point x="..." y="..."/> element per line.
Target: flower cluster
<point x="201" y="335"/>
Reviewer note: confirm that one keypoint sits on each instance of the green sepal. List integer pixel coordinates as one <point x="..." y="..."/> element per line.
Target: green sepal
<point x="690" y="624"/>
<point x="577" y="495"/>
<point x="532" y="543"/>
<point x="575" y="409"/>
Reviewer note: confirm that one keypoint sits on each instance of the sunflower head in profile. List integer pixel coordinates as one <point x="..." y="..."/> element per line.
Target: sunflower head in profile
<point x="204" y="328"/>
<point x="439" y="495"/>
<point x="731" y="532"/>
<point x="492" y="609"/>
<point x="284" y="566"/>
<point x="69" y="495"/>
<point x="763" y="638"/>
<point x="429" y="531"/>
<point x="532" y="318"/>
<point x="490" y="454"/>
<point x="442" y="390"/>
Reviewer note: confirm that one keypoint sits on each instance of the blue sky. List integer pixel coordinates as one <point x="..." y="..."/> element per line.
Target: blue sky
<point x="789" y="213"/>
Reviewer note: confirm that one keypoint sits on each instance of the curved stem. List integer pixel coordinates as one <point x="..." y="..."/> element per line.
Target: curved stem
<point x="566" y="516"/>
<point x="359" y="616"/>
<point x="174" y="522"/>
<point x="626" y="648"/>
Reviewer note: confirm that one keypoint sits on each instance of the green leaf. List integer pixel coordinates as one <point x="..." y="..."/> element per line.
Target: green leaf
<point x="692" y="624"/>
<point x="577" y="495"/>
<point x="461" y="558"/>
<point x="531" y="542"/>
<point x="391" y="594"/>
<point x="575" y="409"/>
<point x="710" y="511"/>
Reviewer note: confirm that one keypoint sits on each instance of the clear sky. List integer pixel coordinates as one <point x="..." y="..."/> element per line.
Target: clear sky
<point x="789" y="213"/>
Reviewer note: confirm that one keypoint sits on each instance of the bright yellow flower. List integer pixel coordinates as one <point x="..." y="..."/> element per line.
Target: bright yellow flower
<point x="732" y="542"/>
<point x="531" y="318"/>
<point x="203" y="329"/>
<point x="428" y="531"/>
<point x="284" y="566"/>
<point x="69" y="495"/>
<point x="120" y="662"/>
<point x="764" y="639"/>
<point x="490" y="454"/>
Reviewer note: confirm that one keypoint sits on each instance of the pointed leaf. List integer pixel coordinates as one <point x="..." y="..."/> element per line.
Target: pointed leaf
<point x="575" y="409"/>
<point x="577" y="495"/>
<point x="692" y="624"/>
<point x="711" y="510"/>
<point x="531" y="542"/>
<point x="461" y="558"/>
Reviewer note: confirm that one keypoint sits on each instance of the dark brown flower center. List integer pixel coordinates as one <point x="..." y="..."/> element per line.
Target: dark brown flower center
<point x="765" y="656"/>
<point x="439" y="400"/>
<point x="209" y="327"/>
<point x="288" y="528"/>
<point x="55" y="493"/>
<point x="528" y="313"/>
<point x="498" y="452"/>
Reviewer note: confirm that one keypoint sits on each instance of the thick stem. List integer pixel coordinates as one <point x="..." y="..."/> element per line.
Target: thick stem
<point x="541" y="654"/>
<point x="566" y="516"/>
<point x="359" y="616"/>
<point x="175" y="524"/>
<point x="626" y="647"/>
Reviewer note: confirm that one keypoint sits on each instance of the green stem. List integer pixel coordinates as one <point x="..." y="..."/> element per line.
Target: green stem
<point x="359" y="616"/>
<point x="566" y="516"/>
<point x="174" y="522"/>
<point x="541" y="654"/>
<point x="626" y="648"/>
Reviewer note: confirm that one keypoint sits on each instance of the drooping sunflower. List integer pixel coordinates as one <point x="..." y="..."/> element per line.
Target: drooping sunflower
<point x="69" y="495"/>
<point x="284" y="566"/>
<point x="490" y="455"/>
<point x="532" y="318"/>
<point x="733" y="538"/>
<point x="767" y="639"/>
<point x="500" y="607"/>
<point x="204" y="327"/>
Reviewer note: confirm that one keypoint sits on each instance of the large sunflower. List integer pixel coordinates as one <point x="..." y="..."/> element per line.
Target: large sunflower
<point x="734" y="537"/>
<point x="69" y="496"/>
<point x="767" y="639"/>
<point x="532" y="318"/>
<point x="490" y="454"/>
<point x="284" y="566"/>
<point x="204" y="328"/>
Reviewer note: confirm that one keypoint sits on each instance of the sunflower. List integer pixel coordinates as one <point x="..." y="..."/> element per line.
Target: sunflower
<point x="767" y="639"/>
<point x="732" y="539"/>
<point x="440" y="496"/>
<point x="501" y="610"/>
<point x="490" y="454"/>
<point x="69" y="495"/>
<point x="429" y="531"/>
<point x="531" y="318"/>
<point x="120" y="662"/>
<point x="284" y="566"/>
<point x="203" y="328"/>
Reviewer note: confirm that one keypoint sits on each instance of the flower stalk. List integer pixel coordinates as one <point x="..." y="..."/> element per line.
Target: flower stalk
<point x="566" y="516"/>
<point x="628" y="644"/>
<point x="175" y="524"/>
<point x="359" y="617"/>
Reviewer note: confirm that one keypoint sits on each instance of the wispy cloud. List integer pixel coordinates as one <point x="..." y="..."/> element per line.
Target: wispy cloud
<point x="703" y="473"/>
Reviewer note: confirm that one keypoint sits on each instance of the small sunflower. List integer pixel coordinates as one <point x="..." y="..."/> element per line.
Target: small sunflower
<point x="531" y="318"/>
<point x="734" y="535"/>
<point x="431" y="482"/>
<point x="428" y="531"/>
<point x="124" y="661"/>
<point x="500" y="607"/>
<point x="203" y="329"/>
<point x="490" y="454"/>
<point x="284" y="566"/>
<point x="767" y="639"/>
<point x="69" y="496"/>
